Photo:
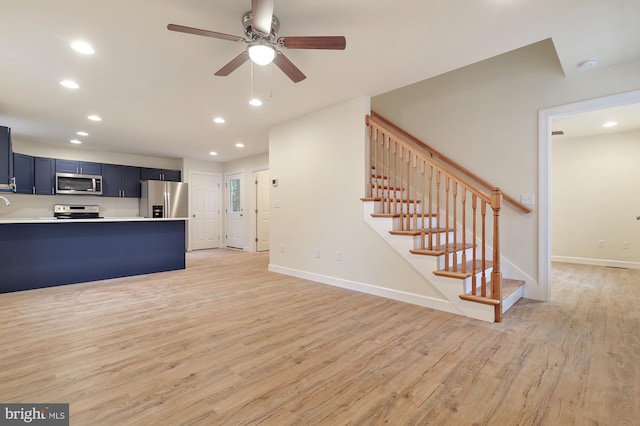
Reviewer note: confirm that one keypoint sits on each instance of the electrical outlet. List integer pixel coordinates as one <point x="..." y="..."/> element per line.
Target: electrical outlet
<point x="338" y="255"/>
<point x="625" y="245"/>
<point x="600" y="243"/>
<point x="316" y="253"/>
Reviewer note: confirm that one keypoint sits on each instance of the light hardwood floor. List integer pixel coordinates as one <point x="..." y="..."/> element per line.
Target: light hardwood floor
<point x="226" y="342"/>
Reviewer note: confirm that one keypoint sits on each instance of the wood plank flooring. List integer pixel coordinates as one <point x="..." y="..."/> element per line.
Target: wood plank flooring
<point x="225" y="342"/>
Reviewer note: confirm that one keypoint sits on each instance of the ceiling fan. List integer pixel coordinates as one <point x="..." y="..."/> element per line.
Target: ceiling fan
<point x="261" y="36"/>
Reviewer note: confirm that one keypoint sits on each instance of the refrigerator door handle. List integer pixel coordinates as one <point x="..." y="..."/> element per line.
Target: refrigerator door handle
<point x="167" y="201"/>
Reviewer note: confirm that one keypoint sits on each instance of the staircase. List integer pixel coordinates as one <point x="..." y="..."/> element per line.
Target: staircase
<point x="443" y="223"/>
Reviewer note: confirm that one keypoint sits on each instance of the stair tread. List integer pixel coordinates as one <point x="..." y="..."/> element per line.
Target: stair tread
<point x="416" y="232"/>
<point x="456" y="271"/>
<point x="399" y="200"/>
<point x="509" y="286"/>
<point x="441" y="250"/>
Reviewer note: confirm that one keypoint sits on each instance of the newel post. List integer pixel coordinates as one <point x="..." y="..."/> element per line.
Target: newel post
<point x="496" y="274"/>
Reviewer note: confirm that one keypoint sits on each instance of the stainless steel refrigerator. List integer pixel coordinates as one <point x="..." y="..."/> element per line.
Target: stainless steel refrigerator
<point x="160" y="199"/>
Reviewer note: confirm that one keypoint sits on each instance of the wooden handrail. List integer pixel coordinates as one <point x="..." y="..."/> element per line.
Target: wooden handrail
<point x="435" y="154"/>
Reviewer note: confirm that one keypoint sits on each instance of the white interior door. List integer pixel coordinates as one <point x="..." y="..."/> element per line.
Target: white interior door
<point x="205" y="211"/>
<point x="262" y="210"/>
<point x="234" y="211"/>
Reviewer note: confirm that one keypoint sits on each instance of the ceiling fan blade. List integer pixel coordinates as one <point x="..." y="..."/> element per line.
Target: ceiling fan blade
<point x="319" y="42"/>
<point x="288" y="68"/>
<point x="262" y="11"/>
<point x="233" y="64"/>
<point x="206" y="33"/>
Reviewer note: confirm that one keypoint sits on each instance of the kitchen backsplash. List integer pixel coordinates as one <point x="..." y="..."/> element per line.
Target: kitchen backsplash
<point x="41" y="206"/>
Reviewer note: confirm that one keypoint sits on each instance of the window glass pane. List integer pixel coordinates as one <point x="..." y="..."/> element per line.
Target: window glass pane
<point x="234" y="195"/>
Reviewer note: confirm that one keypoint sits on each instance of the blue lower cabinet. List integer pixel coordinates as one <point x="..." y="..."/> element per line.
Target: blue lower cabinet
<point x="36" y="255"/>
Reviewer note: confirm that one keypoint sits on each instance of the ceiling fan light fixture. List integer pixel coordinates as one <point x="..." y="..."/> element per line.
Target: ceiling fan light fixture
<point x="261" y="53"/>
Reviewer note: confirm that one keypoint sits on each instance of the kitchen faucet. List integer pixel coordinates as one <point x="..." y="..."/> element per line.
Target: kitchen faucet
<point x="6" y="201"/>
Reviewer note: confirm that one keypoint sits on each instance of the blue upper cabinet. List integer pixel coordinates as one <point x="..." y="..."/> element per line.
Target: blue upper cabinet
<point x="79" y="167"/>
<point x="147" y="173"/>
<point x="23" y="170"/>
<point x="44" y="175"/>
<point x="6" y="156"/>
<point x="120" y="181"/>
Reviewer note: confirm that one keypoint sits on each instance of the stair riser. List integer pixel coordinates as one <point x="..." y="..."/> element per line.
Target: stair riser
<point x="468" y="283"/>
<point x="386" y="193"/>
<point x="440" y="237"/>
<point x="454" y="258"/>
<point x="398" y="208"/>
<point x="411" y="223"/>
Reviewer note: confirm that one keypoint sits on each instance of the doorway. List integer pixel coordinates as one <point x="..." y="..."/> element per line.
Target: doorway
<point x="234" y="210"/>
<point x="546" y="118"/>
<point x="204" y="226"/>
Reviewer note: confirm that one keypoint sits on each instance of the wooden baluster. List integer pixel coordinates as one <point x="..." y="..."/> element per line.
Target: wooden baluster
<point x="393" y="172"/>
<point x="474" y="208"/>
<point x="483" y="256"/>
<point x="415" y="191"/>
<point x="401" y="159"/>
<point x="454" y="205"/>
<point x="496" y="274"/>
<point x="406" y="193"/>
<point x="446" y="220"/>
<point x="438" y="241"/>
<point x="430" y="206"/>
<point x="422" y="183"/>
<point x="387" y="152"/>
<point x="464" y="229"/>
<point x="374" y="162"/>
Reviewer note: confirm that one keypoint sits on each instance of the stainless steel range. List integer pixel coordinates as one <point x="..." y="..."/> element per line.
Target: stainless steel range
<point x="75" y="211"/>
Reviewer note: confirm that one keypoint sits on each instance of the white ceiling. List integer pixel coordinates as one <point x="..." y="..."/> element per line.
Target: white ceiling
<point x="590" y="123"/>
<point x="157" y="94"/>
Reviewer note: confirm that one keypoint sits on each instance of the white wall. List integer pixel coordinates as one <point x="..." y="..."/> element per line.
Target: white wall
<point x="485" y="117"/>
<point x="319" y="161"/>
<point x="595" y="197"/>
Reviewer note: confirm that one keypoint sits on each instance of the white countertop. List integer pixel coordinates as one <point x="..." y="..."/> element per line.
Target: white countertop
<point x="9" y="220"/>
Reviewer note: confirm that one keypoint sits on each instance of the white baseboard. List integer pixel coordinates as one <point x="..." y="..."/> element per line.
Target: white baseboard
<point x="401" y="296"/>
<point x="596" y="262"/>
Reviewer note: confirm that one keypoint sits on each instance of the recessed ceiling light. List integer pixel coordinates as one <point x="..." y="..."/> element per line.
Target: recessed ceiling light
<point x="69" y="84"/>
<point x="588" y="64"/>
<point x="218" y="120"/>
<point x="239" y="145"/>
<point x="94" y="118"/>
<point x="610" y="124"/>
<point x="82" y="133"/>
<point x="213" y="153"/>
<point x="82" y="47"/>
<point x="75" y="141"/>
<point x="255" y="102"/>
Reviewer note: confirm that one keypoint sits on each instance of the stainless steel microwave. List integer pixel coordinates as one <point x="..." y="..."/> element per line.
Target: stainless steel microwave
<point x="72" y="183"/>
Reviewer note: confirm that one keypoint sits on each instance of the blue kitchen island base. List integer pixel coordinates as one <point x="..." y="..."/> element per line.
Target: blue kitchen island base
<point x="36" y="255"/>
